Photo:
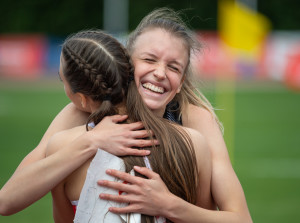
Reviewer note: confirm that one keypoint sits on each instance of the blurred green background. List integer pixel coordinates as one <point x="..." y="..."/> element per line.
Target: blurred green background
<point x="261" y="118"/>
<point x="266" y="154"/>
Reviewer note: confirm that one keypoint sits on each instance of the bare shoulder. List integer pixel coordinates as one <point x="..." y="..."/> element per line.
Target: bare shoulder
<point x="195" y="117"/>
<point x="204" y="122"/>
<point x="70" y="117"/>
<point x="200" y="144"/>
<point x="67" y="118"/>
<point x="62" y="138"/>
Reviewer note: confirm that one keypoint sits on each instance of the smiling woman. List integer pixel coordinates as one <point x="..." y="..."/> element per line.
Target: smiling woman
<point x="159" y="78"/>
<point x="160" y="60"/>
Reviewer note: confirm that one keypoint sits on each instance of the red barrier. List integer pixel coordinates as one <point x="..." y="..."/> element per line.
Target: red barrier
<point x="22" y="56"/>
<point x="292" y="75"/>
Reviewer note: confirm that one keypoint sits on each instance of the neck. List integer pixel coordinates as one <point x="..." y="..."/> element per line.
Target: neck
<point x="159" y="112"/>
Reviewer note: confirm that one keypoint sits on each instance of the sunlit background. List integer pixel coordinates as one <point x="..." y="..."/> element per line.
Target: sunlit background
<point x="249" y="68"/>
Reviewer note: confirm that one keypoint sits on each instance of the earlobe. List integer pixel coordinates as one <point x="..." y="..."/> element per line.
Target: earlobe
<point x="82" y="99"/>
<point x="181" y="82"/>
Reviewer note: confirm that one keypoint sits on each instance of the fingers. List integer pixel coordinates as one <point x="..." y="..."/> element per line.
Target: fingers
<point x="146" y="172"/>
<point x="118" y="118"/>
<point x="118" y="186"/>
<point x="122" y="176"/>
<point x="136" y="152"/>
<point x="116" y="198"/>
<point x="141" y="143"/>
<point x="124" y="210"/>
<point x="135" y="126"/>
<point x="139" y="134"/>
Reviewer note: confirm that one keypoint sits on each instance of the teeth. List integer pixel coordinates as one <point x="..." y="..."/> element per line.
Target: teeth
<point x="153" y="88"/>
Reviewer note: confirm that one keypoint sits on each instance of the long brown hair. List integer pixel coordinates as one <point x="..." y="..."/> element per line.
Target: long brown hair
<point x="171" y="21"/>
<point x="98" y="66"/>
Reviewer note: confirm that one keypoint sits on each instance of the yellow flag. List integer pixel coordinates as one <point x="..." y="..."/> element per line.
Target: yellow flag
<point x="240" y="27"/>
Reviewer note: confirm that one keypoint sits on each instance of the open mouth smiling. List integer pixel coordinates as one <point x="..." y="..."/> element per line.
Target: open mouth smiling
<point x="153" y="88"/>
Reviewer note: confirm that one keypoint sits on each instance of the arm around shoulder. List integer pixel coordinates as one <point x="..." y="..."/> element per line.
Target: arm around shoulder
<point x="31" y="171"/>
<point x="226" y="189"/>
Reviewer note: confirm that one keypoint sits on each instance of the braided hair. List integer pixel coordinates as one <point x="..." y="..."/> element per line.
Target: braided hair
<point x="95" y="66"/>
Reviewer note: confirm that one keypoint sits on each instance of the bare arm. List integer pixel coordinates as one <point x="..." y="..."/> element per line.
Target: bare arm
<point x="14" y="197"/>
<point x="38" y="175"/>
<point x="152" y="197"/>
<point x="62" y="208"/>
<point x="226" y="188"/>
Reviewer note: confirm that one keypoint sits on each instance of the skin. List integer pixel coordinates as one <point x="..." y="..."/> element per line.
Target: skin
<point x="226" y="189"/>
<point x="69" y="189"/>
<point x="108" y="135"/>
<point x="162" y="71"/>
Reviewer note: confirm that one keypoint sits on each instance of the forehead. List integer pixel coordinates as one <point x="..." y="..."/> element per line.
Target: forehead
<point x="151" y="33"/>
<point x="159" y="40"/>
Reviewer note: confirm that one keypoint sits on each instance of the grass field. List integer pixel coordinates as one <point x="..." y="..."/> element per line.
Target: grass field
<point x="265" y="151"/>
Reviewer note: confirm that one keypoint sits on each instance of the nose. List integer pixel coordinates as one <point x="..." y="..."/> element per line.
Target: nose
<point x="160" y="72"/>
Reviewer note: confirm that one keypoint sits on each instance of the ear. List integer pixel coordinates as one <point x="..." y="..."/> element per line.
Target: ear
<point x="181" y="82"/>
<point x="179" y="88"/>
<point x="83" y="99"/>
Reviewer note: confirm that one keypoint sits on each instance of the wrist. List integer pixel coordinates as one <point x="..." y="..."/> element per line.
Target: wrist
<point x="86" y="144"/>
<point x="175" y="209"/>
<point x="93" y="141"/>
<point x="171" y="207"/>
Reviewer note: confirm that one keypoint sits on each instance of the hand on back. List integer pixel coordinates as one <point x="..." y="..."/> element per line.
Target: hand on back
<point x="121" y="139"/>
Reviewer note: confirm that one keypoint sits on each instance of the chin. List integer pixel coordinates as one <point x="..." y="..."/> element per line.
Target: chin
<point x="155" y="107"/>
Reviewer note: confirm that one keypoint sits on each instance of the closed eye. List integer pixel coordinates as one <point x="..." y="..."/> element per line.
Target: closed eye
<point x="149" y="60"/>
<point x="174" y="68"/>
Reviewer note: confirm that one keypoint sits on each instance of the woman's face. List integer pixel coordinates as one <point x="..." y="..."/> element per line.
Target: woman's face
<point x="160" y="60"/>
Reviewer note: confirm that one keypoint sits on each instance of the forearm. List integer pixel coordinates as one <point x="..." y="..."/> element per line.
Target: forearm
<point x="32" y="182"/>
<point x="181" y="211"/>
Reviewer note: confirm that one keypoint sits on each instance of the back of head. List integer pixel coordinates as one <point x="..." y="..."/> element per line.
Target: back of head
<point x="98" y="66"/>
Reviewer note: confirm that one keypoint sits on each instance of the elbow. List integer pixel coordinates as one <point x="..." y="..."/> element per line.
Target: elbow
<point x="250" y="220"/>
<point x="246" y="219"/>
<point x="5" y="208"/>
<point x="4" y="211"/>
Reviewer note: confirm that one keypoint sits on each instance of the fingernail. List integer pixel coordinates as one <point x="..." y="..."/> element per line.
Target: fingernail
<point x="137" y="167"/>
<point x="100" y="181"/>
<point x="108" y="171"/>
<point x="147" y="152"/>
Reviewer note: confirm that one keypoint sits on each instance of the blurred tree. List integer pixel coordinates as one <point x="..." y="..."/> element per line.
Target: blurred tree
<point x="200" y="14"/>
<point x="54" y="17"/>
<point x="62" y="17"/>
<point x="284" y="14"/>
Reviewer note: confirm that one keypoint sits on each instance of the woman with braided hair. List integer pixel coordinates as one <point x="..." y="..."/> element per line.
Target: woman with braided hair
<point x="156" y="75"/>
<point x="96" y="72"/>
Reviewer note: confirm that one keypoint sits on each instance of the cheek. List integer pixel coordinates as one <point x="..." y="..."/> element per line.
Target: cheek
<point x="175" y="81"/>
<point x="140" y="70"/>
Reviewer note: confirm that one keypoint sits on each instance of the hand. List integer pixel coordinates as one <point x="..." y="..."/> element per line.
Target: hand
<point x="145" y="196"/>
<point x="118" y="139"/>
